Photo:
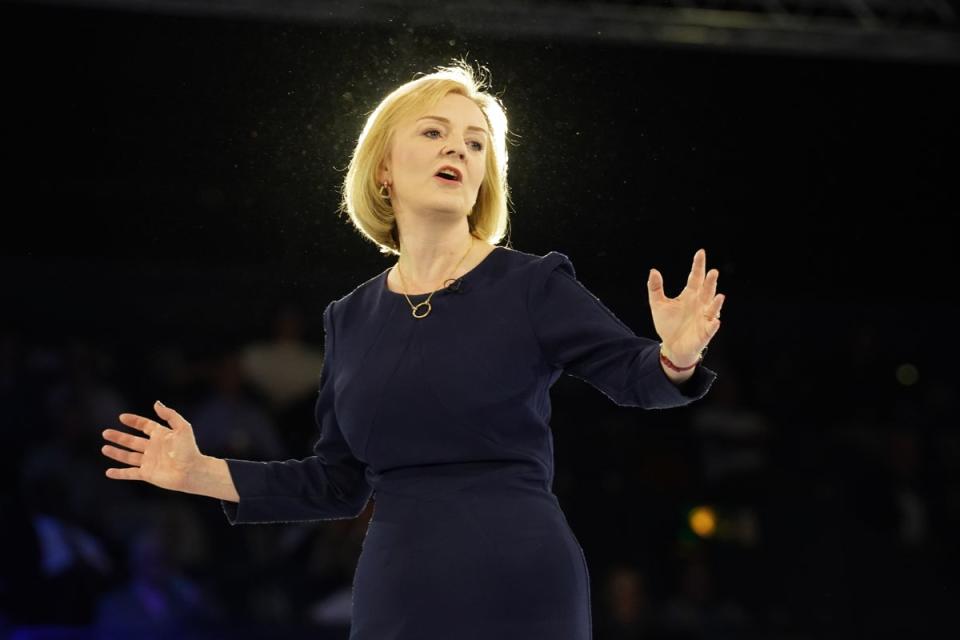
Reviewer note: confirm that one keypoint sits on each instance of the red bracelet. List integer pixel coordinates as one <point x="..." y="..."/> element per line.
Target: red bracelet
<point x="665" y="360"/>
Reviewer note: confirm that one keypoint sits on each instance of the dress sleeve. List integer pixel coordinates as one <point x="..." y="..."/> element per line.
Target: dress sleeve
<point x="579" y="335"/>
<point x="328" y="485"/>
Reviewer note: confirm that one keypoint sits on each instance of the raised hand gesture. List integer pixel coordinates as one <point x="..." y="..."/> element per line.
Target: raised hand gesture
<point x="687" y="323"/>
<point x="165" y="457"/>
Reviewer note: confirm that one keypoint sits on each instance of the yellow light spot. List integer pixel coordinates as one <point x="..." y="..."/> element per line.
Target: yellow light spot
<point x="703" y="521"/>
<point x="907" y="374"/>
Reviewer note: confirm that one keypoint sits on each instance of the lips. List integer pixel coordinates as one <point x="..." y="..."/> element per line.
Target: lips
<point x="450" y="170"/>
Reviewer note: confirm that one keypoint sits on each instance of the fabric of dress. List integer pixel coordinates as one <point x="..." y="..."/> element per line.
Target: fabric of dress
<point x="444" y="421"/>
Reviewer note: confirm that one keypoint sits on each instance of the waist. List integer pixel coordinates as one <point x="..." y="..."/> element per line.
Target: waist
<point x="442" y="497"/>
<point x="448" y="480"/>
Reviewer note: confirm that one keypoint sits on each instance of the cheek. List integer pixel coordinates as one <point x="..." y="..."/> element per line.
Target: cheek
<point x="414" y="163"/>
<point x="481" y="174"/>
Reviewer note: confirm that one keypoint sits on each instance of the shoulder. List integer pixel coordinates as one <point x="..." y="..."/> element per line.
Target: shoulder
<point x="358" y="300"/>
<point x="540" y="268"/>
<point x="537" y="264"/>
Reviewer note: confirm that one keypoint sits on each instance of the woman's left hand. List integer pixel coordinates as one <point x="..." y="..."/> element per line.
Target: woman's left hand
<point x="687" y="323"/>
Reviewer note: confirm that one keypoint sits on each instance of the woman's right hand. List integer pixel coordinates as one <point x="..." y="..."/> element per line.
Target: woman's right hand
<point x="165" y="457"/>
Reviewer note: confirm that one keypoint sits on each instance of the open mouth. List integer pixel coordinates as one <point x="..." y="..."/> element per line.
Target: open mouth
<point x="446" y="179"/>
<point x="449" y="174"/>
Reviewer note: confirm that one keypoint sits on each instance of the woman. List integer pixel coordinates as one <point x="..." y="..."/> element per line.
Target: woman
<point x="434" y="394"/>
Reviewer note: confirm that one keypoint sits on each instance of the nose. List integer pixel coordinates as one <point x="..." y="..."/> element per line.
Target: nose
<point x="457" y="148"/>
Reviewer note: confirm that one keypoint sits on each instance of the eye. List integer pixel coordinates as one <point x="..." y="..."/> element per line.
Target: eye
<point x="478" y="147"/>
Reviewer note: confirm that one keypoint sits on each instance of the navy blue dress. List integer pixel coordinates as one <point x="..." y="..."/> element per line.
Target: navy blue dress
<point x="445" y="421"/>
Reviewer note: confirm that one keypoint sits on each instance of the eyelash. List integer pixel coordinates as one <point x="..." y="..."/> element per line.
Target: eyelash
<point x="479" y="144"/>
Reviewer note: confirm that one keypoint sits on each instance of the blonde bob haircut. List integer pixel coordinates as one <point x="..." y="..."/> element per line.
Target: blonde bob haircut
<point x="370" y="213"/>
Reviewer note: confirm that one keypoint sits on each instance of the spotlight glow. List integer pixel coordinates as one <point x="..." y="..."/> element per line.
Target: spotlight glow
<point x="703" y="521"/>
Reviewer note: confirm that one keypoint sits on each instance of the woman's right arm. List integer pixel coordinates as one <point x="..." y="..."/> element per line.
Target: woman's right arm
<point x="328" y="485"/>
<point x="331" y="484"/>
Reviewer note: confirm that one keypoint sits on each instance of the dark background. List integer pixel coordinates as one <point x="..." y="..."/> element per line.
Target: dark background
<point x="171" y="182"/>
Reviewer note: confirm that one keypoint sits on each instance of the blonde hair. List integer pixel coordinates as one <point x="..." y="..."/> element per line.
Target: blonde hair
<point x="370" y="213"/>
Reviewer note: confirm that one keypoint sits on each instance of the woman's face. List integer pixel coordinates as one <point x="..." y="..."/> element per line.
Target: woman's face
<point x="453" y="134"/>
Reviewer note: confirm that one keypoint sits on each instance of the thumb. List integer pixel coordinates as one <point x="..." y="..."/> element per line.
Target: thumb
<point x="174" y="419"/>
<point x="655" y="286"/>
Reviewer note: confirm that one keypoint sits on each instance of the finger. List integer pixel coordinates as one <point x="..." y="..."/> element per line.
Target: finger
<point x="126" y="439"/>
<point x="146" y="425"/>
<point x="712" y="310"/>
<point x="130" y="473"/>
<point x="720" y="300"/>
<point x="712" y="327"/>
<point x="695" y="279"/>
<point x="655" y="287"/>
<point x="713" y="322"/>
<point x="709" y="289"/>
<point x="174" y="419"/>
<point x="122" y="455"/>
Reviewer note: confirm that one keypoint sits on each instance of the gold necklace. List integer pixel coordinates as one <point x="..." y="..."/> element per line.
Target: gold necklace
<point x="426" y="303"/>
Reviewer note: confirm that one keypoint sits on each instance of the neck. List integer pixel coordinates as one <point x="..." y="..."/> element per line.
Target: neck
<point x="430" y="257"/>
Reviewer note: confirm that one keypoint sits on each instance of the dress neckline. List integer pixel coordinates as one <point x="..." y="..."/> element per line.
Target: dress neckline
<point x="476" y="268"/>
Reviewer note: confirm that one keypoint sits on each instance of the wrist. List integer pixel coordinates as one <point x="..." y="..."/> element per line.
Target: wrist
<point x="679" y="364"/>
<point x="207" y="477"/>
<point x="196" y="475"/>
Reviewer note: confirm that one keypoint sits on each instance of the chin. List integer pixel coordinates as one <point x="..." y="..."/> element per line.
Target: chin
<point x="446" y="206"/>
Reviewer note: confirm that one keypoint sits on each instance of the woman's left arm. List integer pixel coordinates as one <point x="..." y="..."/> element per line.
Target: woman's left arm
<point x="580" y="335"/>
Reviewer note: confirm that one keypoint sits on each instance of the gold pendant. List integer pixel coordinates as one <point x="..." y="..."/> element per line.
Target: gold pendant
<point x="426" y="303"/>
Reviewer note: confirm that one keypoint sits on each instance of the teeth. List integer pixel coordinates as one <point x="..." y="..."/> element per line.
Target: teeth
<point x="447" y="174"/>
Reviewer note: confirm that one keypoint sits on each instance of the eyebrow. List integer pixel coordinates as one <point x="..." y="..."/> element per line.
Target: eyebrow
<point x="445" y="120"/>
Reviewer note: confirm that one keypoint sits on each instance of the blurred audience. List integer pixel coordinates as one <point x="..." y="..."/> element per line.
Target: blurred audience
<point x="625" y="611"/>
<point x="158" y="600"/>
<point x="228" y="423"/>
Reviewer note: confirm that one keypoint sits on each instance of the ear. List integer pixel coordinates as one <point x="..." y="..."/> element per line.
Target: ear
<point x="383" y="171"/>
